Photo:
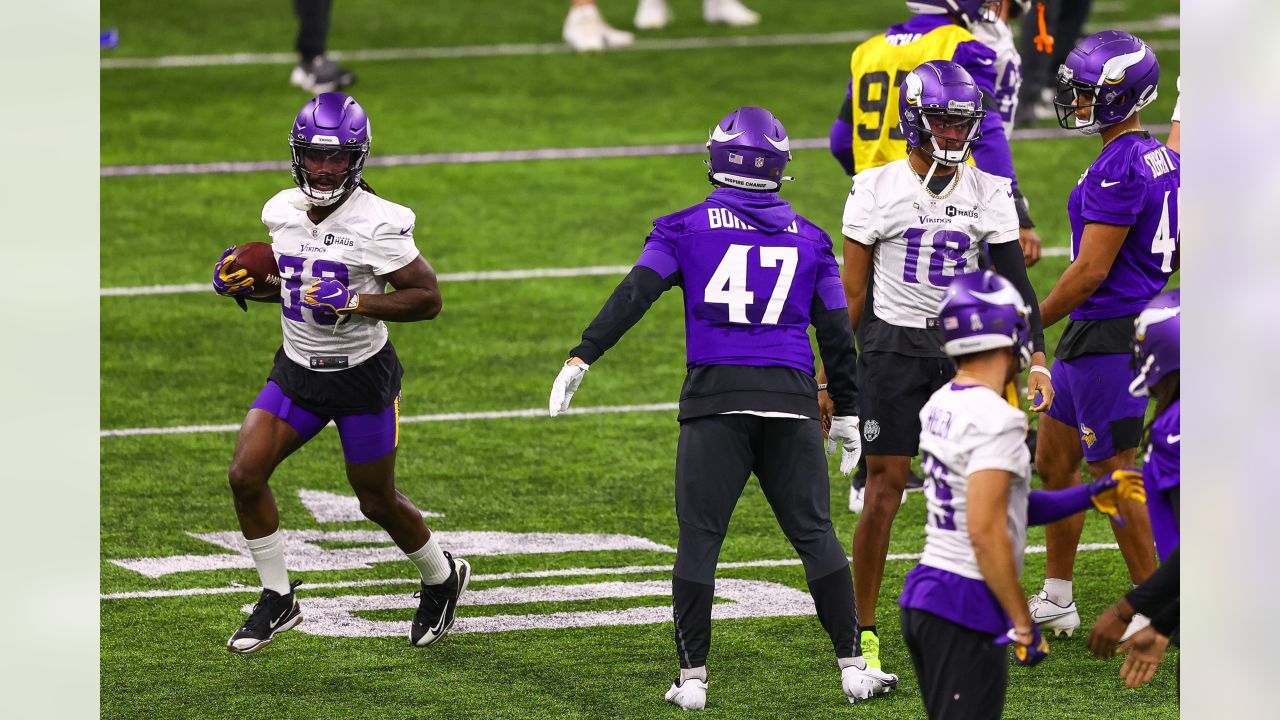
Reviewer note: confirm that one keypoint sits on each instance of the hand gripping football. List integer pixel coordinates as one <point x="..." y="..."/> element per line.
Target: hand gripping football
<point x="257" y="259"/>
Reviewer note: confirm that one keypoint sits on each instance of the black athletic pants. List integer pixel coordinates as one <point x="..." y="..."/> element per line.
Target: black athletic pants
<point x="313" y="27"/>
<point x="1064" y="20"/>
<point x="962" y="673"/>
<point x="715" y="457"/>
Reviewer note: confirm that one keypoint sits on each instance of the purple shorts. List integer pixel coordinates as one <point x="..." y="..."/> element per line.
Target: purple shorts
<point x="365" y="438"/>
<point x="1091" y="394"/>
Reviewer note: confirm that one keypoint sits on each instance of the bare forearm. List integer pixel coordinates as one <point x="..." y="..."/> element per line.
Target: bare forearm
<point x="994" y="552"/>
<point x="404" y="305"/>
<point x="1073" y="288"/>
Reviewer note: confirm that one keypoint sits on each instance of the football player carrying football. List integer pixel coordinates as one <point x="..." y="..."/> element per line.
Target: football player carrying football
<point x="1124" y="244"/>
<point x="866" y="133"/>
<point x="755" y="276"/>
<point x="962" y="605"/>
<point x="338" y="246"/>
<point x="911" y="226"/>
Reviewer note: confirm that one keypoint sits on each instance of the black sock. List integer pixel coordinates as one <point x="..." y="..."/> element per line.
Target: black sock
<point x="871" y="629"/>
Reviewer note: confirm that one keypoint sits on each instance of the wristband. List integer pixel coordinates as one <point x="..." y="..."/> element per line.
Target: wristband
<point x="822" y="386"/>
<point x="1040" y="369"/>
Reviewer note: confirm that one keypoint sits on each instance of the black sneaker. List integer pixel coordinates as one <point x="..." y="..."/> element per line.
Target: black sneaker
<point x="914" y="481"/>
<point x="438" y="603"/>
<point x="322" y="75"/>
<point x="274" y="613"/>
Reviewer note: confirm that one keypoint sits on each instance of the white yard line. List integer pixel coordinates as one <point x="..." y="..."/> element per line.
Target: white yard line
<point x="569" y="572"/>
<point x="475" y="276"/>
<point x="1162" y="22"/>
<point x="494" y="156"/>
<point x="441" y="417"/>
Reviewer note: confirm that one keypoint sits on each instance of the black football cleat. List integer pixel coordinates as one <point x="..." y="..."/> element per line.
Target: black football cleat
<point x="273" y="613"/>
<point x="438" y="604"/>
<point x="322" y="75"/>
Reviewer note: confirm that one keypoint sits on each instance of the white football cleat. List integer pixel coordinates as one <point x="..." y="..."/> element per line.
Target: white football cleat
<point x="856" y="498"/>
<point x="865" y="683"/>
<point x="1050" y="616"/>
<point x="728" y="12"/>
<point x="1138" y="622"/>
<point x="690" y="694"/>
<point x="585" y="31"/>
<point x="652" y="14"/>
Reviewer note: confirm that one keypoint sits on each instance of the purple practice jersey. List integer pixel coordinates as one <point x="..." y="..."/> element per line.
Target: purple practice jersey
<point x="751" y="270"/>
<point x="1134" y="182"/>
<point x="1161" y="468"/>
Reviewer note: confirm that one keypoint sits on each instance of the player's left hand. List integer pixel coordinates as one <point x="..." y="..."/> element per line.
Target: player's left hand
<point x="1146" y="648"/>
<point x="844" y="433"/>
<point x="1109" y="628"/>
<point x="566" y="385"/>
<point x="332" y="294"/>
<point x="1107" y="493"/>
<point x="1029" y="239"/>
<point x="1029" y="647"/>
<point x="1039" y="385"/>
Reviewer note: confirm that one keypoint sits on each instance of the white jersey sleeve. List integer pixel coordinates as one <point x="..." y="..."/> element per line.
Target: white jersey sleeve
<point x="391" y="246"/>
<point x="1002" y="214"/>
<point x="861" y="215"/>
<point x="965" y="429"/>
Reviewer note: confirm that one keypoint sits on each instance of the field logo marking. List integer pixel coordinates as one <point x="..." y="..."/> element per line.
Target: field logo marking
<point x="303" y="553"/>
<point x="327" y="507"/>
<point x="337" y="616"/>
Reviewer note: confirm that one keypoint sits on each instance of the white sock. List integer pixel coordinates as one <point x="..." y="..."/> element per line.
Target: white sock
<point x="698" y="672"/>
<point x="857" y="662"/>
<point x="268" y="555"/>
<point x="1059" y="591"/>
<point x="431" y="562"/>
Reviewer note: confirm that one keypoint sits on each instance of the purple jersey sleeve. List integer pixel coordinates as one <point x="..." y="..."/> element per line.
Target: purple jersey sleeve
<point x="991" y="153"/>
<point x="1113" y="191"/>
<point x="1162" y="469"/>
<point x="659" y="254"/>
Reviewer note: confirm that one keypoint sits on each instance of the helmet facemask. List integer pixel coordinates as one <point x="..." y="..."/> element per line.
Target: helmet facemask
<point x="320" y="173"/>
<point x="950" y="132"/>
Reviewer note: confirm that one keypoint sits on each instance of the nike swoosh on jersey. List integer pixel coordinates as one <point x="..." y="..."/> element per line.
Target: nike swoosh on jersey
<point x="1171" y="439"/>
<point x="985" y="62"/>
<point x="406" y="230"/>
<point x="1104" y="183"/>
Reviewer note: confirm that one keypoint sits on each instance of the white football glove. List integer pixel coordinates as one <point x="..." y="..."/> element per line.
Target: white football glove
<point x="565" y="386"/>
<point x="844" y="429"/>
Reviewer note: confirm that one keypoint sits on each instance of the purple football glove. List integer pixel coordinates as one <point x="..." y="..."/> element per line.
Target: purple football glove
<point x="1030" y="654"/>
<point x="331" y="294"/>
<point x="236" y="284"/>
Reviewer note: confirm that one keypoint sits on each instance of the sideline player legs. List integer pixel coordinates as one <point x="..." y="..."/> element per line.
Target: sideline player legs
<point x="963" y="603"/>
<point x="911" y="226"/>
<point x="1124" y="241"/>
<point x="336" y="362"/>
<point x="755" y="276"/>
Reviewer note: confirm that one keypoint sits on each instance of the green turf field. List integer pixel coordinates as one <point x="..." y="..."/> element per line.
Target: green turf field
<point x="192" y="360"/>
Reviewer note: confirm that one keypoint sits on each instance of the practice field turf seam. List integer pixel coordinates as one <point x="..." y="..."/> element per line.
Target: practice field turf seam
<point x="477" y="276"/>
<point x="1163" y="22"/>
<point x="495" y="156"/>
<point x="536" y="574"/>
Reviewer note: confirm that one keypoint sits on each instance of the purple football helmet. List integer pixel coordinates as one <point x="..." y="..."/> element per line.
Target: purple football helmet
<point x="1156" y="341"/>
<point x="983" y="311"/>
<point x="970" y="11"/>
<point x="1112" y="75"/>
<point x="331" y="135"/>
<point x="939" y="101"/>
<point x="749" y="150"/>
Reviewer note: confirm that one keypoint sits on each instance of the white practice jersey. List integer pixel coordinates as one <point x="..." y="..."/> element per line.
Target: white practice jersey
<point x="364" y="240"/>
<point x="964" y="429"/>
<point x="999" y="38"/>
<point x="921" y="241"/>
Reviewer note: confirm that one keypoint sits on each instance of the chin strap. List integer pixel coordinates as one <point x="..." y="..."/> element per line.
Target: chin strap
<point x="929" y="175"/>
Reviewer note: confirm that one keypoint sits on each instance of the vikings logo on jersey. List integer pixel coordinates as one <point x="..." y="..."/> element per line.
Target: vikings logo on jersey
<point x="1088" y="435"/>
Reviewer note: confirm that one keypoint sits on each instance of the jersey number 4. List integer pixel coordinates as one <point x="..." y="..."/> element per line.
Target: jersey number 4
<point x="728" y="284"/>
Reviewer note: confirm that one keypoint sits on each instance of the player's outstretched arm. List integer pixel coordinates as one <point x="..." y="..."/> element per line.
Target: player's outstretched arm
<point x="1099" y="245"/>
<point x="624" y="308"/>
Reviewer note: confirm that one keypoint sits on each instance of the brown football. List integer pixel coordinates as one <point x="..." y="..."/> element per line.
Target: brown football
<point x="259" y="261"/>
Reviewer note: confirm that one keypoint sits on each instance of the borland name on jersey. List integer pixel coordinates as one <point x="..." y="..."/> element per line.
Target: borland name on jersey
<point x="362" y="242"/>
